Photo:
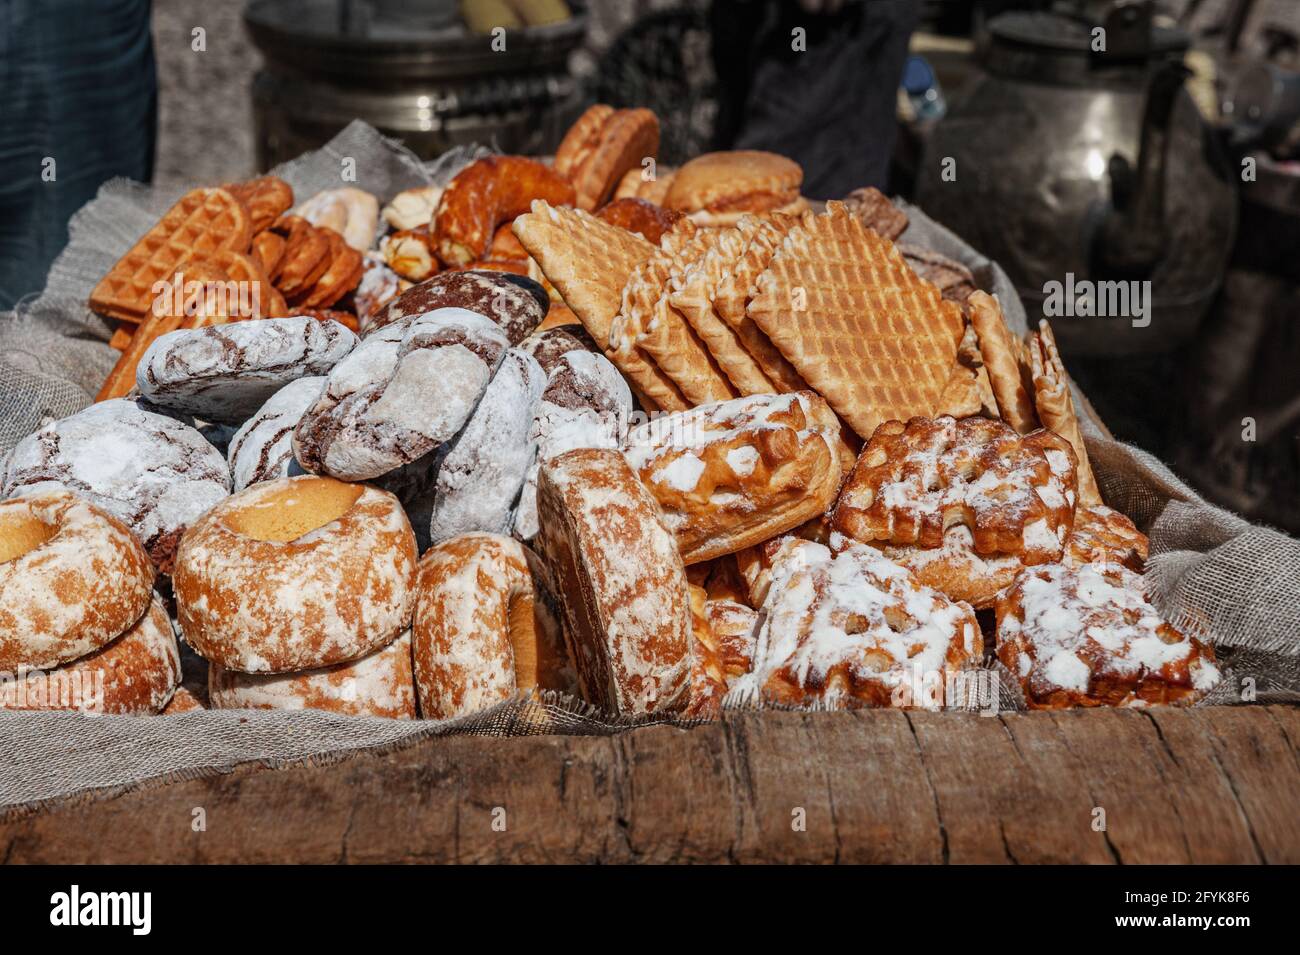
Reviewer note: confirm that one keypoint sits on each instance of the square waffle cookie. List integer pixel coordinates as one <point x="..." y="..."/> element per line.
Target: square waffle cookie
<point x="843" y="307"/>
<point x="201" y="223"/>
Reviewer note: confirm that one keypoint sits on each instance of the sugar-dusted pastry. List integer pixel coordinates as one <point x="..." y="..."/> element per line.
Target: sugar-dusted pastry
<point x="735" y="473"/>
<point x="481" y="475"/>
<point x="620" y="580"/>
<point x="708" y="683"/>
<point x="296" y="574"/>
<point x="224" y="373"/>
<point x="854" y="629"/>
<point x="514" y="302"/>
<point x="964" y="504"/>
<point x="404" y="391"/>
<point x="485" y="626"/>
<point x="412" y="208"/>
<point x="377" y="684"/>
<point x="262" y="448"/>
<point x="1102" y="534"/>
<point x="150" y="471"/>
<point x="351" y="212"/>
<point x="72" y="577"/>
<point x="1088" y="636"/>
<point x="735" y="631"/>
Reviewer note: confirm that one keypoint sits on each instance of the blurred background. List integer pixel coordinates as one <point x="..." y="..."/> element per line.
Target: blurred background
<point x="1169" y="156"/>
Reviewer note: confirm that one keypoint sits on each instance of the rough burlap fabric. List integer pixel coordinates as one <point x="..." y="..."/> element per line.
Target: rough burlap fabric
<point x="1212" y="573"/>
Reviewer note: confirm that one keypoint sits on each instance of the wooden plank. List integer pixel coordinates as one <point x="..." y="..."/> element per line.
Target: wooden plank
<point x="1206" y="785"/>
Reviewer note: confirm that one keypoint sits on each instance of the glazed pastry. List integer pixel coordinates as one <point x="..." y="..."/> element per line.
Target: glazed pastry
<point x="485" y="194"/>
<point x="1088" y="636"/>
<point x="733" y="474"/>
<point x="1102" y="535"/>
<point x="296" y="574"/>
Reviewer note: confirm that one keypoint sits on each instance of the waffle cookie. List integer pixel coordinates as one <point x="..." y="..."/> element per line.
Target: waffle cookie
<point x="1088" y="636"/>
<point x="732" y="295"/>
<point x="266" y="198"/>
<point x="589" y="262"/>
<point x="203" y="221"/>
<point x="863" y="330"/>
<point x="648" y="322"/>
<point x="853" y="630"/>
<point x="732" y="474"/>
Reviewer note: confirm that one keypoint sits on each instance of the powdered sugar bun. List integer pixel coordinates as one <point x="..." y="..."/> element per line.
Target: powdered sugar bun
<point x="486" y="463"/>
<point x="296" y="574"/>
<point x="224" y="373"/>
<point x="483" y="627"/>
<point x="378" y="684"/>
<point x="72" y="577"/>
<point x="134" y="675"/>
<point x="150" y="471"/>
<point x="262" y="450"/>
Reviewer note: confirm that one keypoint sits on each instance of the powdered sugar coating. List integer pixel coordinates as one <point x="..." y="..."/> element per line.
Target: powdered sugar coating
<point x="152" y="472"/>
<point x="379" y="684"/>
<point x="76" y="591"/>
<point x="480" y="478"/>
<point x="852" y="629"/>
<point x="1088" y="636"/>
<point x="379" y="285"/>
<point x="404" y="391"/>
<point x="262" y="449"/>
<point x="620" y="580"/>
<point x="586" y="404"/>
<point x="330" y="596"/>
<point x="224" y="373"/>
<point x="515" y="303"/>
<point x="133" y="675"/>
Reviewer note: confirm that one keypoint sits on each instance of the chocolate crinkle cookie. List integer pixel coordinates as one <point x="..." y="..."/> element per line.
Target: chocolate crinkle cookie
<point x="480" y="477"/>
<point x="224" y="373"/>
<point x="586" y="404"/>
<point x="515" y="302"/>
<point x="550" y="346"/>
<point x="262" y="450"/>
<point x="154" y="473"/>
<point x="404" y="391"/>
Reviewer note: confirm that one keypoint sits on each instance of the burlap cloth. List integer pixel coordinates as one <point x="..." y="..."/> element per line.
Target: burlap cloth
<point x="1213" y="573"/>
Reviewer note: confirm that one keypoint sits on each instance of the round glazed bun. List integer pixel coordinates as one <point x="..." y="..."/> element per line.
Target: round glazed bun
<point x="734" y="183"/>
<point x="134" y="675"/>
<point x="379" y="684"/>
<point x="72" y="578"/>
<point x="295" y="574"/>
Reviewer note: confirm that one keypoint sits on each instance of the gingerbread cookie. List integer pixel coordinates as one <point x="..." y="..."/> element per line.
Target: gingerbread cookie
<point x="262" y="449"/>
<point x="515" y="302"/>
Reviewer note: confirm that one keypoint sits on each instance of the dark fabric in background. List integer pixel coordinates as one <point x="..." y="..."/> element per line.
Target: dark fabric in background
<point x="77" y="84"/>
<point x="831" y="107"/>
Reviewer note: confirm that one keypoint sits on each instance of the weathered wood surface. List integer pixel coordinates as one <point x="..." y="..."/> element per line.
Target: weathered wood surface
<point x="1214" y="785"/>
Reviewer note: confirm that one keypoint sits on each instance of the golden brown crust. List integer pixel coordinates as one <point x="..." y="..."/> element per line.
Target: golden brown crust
<point x="620" y="580"/>
<point x="134" y="675"/>
<point x="739" y="181"/>
<point x="1056" y="406"/>
<point x="483" y="627"/>
<point x="639" y="216"/>
<point x="1001" y="360"/>
<point x="1088" y="636"/>
<point x="603" y="146"/>
<point x="485" y="194"/>
<point x="72" y="577"/>
<point x="328" y="596"/>
<point x="708" y="677"/>
<point x="1101" y="534"/>
<point x="733" y="474"/>
<point x="735" y="631"/>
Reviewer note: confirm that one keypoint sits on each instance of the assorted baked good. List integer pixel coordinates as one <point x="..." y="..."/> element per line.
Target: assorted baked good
<point x="296" y="574"/>
<point x="669" y="439"/>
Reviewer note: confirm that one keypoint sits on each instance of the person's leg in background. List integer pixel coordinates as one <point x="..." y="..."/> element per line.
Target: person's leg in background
<point x="78" y="88"/>
<point x="830" y="106"/>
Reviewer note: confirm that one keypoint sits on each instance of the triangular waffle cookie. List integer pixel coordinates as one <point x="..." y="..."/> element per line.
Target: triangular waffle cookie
<point x="872" y="338"/>
<point x="589" y="262"/>
<point x="202" y="222"/>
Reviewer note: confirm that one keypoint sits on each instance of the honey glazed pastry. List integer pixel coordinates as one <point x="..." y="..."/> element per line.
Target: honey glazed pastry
<point x="485" y="627"/>
<point x="733" y="474"/>
<point x="72" y="578"/>
<point x="381" y="683"/>
<point x="852" y="630"/>
<point x="1103" y="535"/>
<point x="1088" y="636"/>
<point x="620" y="580"/>
<point x="296" y="574"/>
<point x="947" y="498"/>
